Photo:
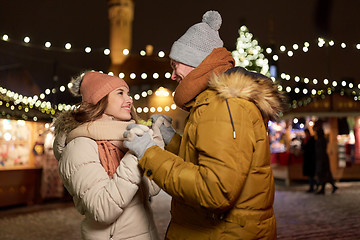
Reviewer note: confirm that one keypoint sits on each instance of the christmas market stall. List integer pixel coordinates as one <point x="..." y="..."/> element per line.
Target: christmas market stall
<point x="25" y="150"/>
<point x="341" y="122"/>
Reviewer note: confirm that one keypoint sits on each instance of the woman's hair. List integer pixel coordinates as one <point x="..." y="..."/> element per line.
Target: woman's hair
<point x="85" y="112"/>
<point x="88" y="112"/>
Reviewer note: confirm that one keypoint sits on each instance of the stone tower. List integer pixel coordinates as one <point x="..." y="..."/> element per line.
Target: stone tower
<point x="121" y="13"/>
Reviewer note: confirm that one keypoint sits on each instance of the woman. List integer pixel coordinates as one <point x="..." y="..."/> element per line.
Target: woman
<point x="97" y="170"/>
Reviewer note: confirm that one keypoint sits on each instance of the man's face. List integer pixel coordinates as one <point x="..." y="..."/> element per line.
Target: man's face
<point x="180" y="70"/>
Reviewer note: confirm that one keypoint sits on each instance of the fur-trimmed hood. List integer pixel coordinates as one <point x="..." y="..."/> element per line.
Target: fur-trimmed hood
<point x="65" y="123"/>
<point x="251" y="86"/>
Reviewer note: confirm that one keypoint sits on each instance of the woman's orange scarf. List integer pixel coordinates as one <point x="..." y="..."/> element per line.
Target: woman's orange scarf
<point x="109" y="136"/>
<point x="110" y="156"/>
<point x="218" y="61"/>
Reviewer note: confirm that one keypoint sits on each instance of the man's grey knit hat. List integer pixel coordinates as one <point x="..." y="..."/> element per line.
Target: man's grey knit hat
<point x="198" y="41"/>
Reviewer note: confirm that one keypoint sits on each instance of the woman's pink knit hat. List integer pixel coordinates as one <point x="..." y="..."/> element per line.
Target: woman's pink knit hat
<point x="93" y="86"/>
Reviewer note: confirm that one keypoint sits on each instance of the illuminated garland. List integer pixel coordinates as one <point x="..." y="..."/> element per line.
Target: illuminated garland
<point x="12" y="101"/>
<point x="315" y="82"/>
<point x="121" y="75"/>
<point x="289" y="50"/>
<point x="68" y="47"/>
<point x="321" y="42"/>
<point x="25" y="103"/>
<point x="310" y="93"/>
<point x="248" y="54"/>
<point x="319" y="94"/>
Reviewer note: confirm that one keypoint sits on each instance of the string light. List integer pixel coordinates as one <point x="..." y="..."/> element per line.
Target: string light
<point x="26" y="39"/>
<point x="315" y="82"/>
<point x="321" y="42"/>
<point x="143" y="75"/>
<point x="167" y="75"/>
<point x="155" y="75"/>
<point x="68" y="46"/>
<point x="161" y="54"/>
<point x="107" y="51"/>
<point x="46" y="107"/>
<point x="25" y="103"/>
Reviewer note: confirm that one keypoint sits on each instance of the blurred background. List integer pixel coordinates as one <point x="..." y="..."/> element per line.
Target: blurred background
<point x="70" y="27"/>
<point x="310" y="47"/>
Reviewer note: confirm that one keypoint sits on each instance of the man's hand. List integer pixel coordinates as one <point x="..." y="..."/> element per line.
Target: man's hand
<point x="163" y="124"/>
<point x="137" y="139"/>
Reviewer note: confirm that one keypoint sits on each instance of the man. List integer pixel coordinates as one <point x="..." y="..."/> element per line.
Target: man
<point x="218" y="173"/>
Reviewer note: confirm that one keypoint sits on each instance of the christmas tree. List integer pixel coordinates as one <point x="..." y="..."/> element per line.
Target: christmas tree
<point x="248" y="53"/>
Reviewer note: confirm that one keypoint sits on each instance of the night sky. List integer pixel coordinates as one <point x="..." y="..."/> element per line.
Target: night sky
<point x="161" y="22"/>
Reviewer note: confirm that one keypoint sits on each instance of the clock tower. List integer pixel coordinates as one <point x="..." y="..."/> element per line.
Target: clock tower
<point x="121" y="14"/>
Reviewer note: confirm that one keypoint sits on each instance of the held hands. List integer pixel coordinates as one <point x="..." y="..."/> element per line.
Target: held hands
<point x="138" y="138"/>
<point x="163" y="123"/>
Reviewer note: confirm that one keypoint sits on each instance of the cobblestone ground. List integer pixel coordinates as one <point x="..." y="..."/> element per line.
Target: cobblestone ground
<point x="299" y="215"/>
<point x="302" y="215"/>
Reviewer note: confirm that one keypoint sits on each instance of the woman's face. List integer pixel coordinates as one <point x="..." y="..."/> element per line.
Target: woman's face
<point x="119" y="104"/>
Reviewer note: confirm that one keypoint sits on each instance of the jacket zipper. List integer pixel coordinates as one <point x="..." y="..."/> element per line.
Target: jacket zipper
<point x="112" y="230"/>
<point x="232" y="123"/>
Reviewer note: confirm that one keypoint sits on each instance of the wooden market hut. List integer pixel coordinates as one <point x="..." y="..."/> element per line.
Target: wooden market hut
<point x="331" y="109"/>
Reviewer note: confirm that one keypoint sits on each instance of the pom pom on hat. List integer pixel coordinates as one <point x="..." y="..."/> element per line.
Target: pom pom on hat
<point x="213" y="19"/>
<point x="93" y="86"/>
<point x="198" y="41"/>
